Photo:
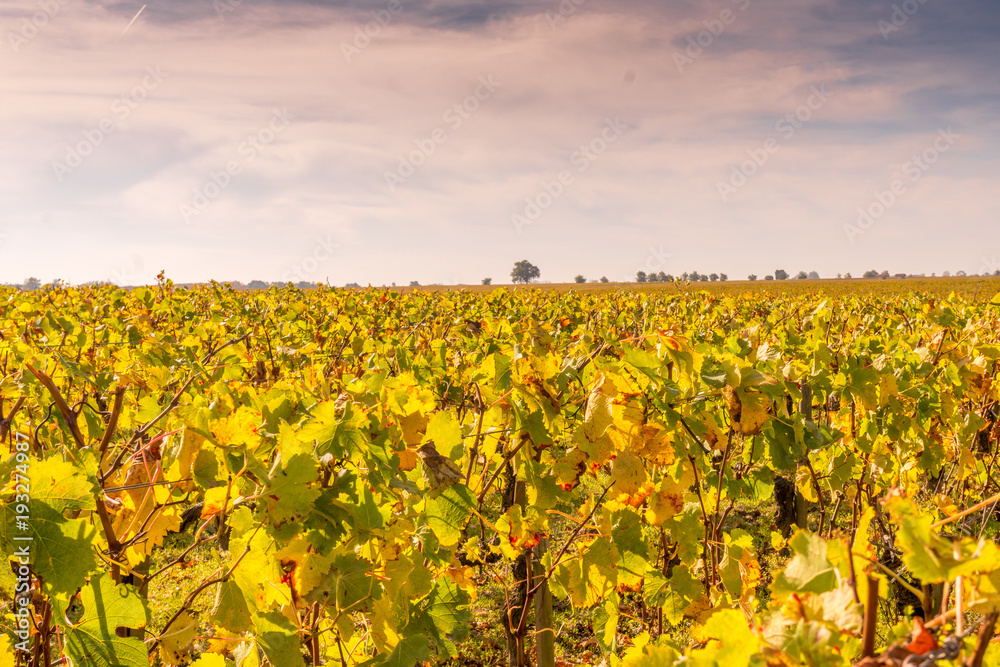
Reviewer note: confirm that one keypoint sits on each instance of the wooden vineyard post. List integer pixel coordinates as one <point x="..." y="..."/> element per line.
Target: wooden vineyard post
<point x="545" y="644"/>
<point x="801" y="506"/>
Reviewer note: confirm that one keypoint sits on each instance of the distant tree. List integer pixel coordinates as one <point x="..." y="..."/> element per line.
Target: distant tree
<point x="847" y="275"/>
<point x="305" y="284"/>
<point x="752" y="277"/>
<point x="662" y="277"/>
<point x="353" y="285"/>
<point x="714" y="277"/>
<point x="579" y="279"/>
<point x="256" y="284"/>
<point x="487" y="281"/>
<point x="670" y="278"/>
<point x="524" y="272"/>
<point x="685" y="276"/>
<point x="813" y="275"/>
<point x="781" y="274"/>
<point x="768" y="277"/>
<point x="723" y="277"/>
<point x="960" y="273"/>
<point x="414" y="283"/>
<point x="801" y="275"/>
<point x="31" y="284"/>
<point x="946" y="274"/>
<point x="704" y="278"/>
<point x="695" y="276"/>
<point x="640" y="276"/>
<point x="604" y="279"/>
<point x="871" y="273"/>
<point x="997" y="272"/>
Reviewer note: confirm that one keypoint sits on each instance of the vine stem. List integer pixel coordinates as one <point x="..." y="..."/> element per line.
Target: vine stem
<point x="964" y="513"/>
<point x="205" y="584"/>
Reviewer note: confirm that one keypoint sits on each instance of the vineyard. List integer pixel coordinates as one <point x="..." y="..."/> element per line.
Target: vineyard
<point x="211" y="477"/>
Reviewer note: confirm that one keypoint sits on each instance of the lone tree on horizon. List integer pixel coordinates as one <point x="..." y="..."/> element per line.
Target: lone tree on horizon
<point x="524" y="272"/>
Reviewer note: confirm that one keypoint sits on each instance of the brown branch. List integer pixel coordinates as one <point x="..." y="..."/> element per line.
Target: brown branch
<point x="109" y="432"/>
<point x="61" y="403"/>
<point x="871" y="619"/>
<point x="983" y="640"/>
<point x="5" y="422"/>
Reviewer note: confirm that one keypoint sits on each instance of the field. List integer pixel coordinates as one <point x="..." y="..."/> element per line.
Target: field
<point x="767" y="473"/>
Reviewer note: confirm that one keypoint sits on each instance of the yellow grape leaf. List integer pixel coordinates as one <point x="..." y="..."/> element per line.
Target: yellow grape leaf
<point x="209" y="660"/>
<point x="464" y="578"/>
<point x="175" y="642"/>
<point x="656" y="445"/>
<point x="598" y="416"/>
<point x="804" y="483"/>
<point x="239" y="428"/>
<point x="747" y="411"/>
<point x="407" y="460"/>
<point x="777" y="541"/>
<point x="666" y="502"/>
<point x="413" y="426"/>
<point x="215" y="498"/>
<point x="888" y="387"/>
<point x="167" y="521"/>
<point x="628" y="473"/>
<point x="309" y="572"/>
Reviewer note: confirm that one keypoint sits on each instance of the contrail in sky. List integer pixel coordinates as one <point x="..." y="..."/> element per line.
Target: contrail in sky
<point x="131" y="22"/>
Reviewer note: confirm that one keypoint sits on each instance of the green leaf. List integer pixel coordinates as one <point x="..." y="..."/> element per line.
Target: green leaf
<point x="290" y="493"/>
<point x="367" y="515"/>
<point x="93" y="641"/>
<point x="732" y="642"/>
<point x="448" y="512"/>
<point x="278" y="638"/>
<point x="409" y="652"/>
<point x="61" y="549"/>
<point x="448" y="614"/>
<point x="653" y="656"/>
<point x="230" y="609"/>
<point x="682" y="591"/>
<point x="446" y="434"/>
<point x="809" y="570"/>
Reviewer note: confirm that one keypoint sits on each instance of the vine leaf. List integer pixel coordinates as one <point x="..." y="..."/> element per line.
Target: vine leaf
<point x="93" y="642"/>
<point x="230" y="609"/>
<point x="61" y="549"/>
<point x="277" y="637"/>
<point x="809" y="570"/>
<point x="448" y="512"/>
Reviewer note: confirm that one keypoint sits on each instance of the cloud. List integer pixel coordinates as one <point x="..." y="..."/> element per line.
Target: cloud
<point x="563" y="76"/>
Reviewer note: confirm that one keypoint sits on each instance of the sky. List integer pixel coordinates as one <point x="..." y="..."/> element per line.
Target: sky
<point x="439" y="141"/>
